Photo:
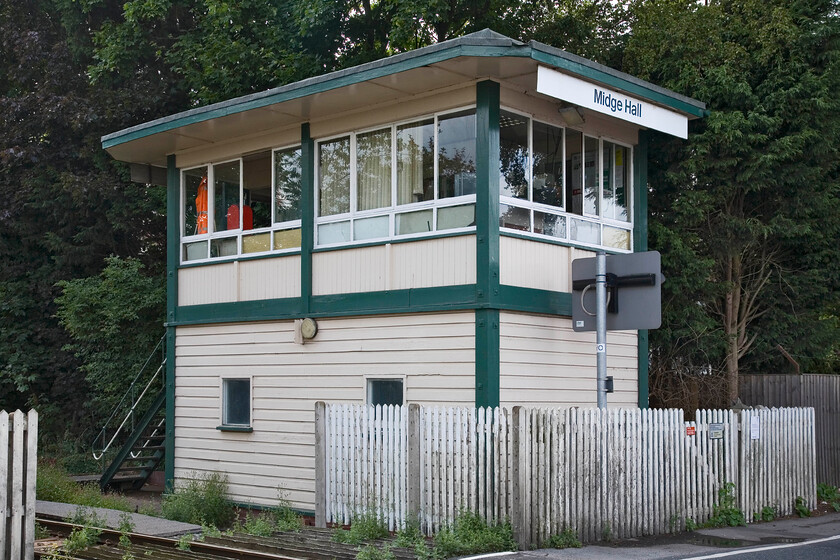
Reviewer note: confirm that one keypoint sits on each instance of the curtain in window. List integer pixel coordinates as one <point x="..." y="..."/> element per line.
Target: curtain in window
<point x="373" y="170"/>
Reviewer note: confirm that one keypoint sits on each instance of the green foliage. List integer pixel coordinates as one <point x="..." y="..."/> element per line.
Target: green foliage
<point x="53" y="484"/>
<point x="801" y="507"/>
<point x="470" y="534"/>
<point x="363" y="527"/>
<point x="827" y="492"/>
<point x="373" y="552"/>
<point x="202" y="501"/>
<point x="767" y="513"/>
<point x="567" y="538"/>
<point x="184" y="542"/>
<point x="41" y="532"/>
<point x="81" y="538"/>
<point x="690" y="524"/>
<point x="285" y="518"/>
<point x="725" y="513"/>
<point x="409" y="536"/>
<point x="259" y="524"/>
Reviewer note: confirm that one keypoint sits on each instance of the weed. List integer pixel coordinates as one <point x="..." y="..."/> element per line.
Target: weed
<point x="725" y="513"/>
<point x="126" y="524"/>
<point x="87" y="517"/>
<point x="81" y="538"/>
<point x="827" y="492"/>
<point x="371" y="552"/>
<point x="55" y="485"/>
<point x="285" y="518"/>
<point x="184" y="542"/>
<point x="210" y="531"/>
<point x="767" y="513"/>
<point x="565" y="539"/>
<point x="260" y="524"/>
<point x="410" y="536"/>
<point x="801" y="507"/>
<point x="470" y="534"/>
<point x="202" y="501"/>
<point x="836" y="506"/>
<point x="365" y="527"/>
<point x="41" y="532"/>
<point x="690" y="524"/>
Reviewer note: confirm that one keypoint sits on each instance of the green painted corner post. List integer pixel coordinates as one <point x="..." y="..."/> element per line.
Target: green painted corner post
<point x="173" y="251"/>
<point x="640" y="242"/>
<point x="487" y="244"/>
<point x="307" y="221"/>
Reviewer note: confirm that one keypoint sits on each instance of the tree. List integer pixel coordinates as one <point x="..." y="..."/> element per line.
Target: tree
<point x="752" y="196"/>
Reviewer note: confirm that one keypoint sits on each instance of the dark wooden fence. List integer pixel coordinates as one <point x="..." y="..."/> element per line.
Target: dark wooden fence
<point x="822" y="392"/>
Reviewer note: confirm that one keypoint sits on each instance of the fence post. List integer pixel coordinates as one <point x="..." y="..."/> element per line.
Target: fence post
<point x="414" y="462"/>
<point x="521" y="532"/>
<point x="320" y="465"/>
<point x="31" y="475"/>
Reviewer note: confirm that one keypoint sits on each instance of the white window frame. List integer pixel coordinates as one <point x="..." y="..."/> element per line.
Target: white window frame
<point x="369" y="378"/>
<point x="222" y="401"/>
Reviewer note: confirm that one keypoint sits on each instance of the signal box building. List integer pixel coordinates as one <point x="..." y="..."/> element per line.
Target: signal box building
<point x="397" y="232"/>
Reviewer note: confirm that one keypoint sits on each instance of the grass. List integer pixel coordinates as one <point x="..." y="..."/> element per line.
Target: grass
<point x="55" y="485"/>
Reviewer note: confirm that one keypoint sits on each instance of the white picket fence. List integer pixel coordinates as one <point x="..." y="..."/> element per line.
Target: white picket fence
<point x="18" y="469"/>
<point x="606" y="474"/>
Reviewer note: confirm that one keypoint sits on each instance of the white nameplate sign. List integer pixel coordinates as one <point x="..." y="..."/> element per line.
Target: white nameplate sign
<point x="610" y="102"/>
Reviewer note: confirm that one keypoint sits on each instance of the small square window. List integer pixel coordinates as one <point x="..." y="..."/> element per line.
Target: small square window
<point x="385" y="392"/>
<point x="236" y="402"/>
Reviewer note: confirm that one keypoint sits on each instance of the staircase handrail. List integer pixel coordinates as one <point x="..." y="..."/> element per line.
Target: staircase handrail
<point x="119" y="406"/>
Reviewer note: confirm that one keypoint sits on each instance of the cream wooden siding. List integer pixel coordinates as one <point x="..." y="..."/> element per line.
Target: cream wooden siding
<point x="269" y="278"/>
<point x="447" y="261"/>
<point x="532" y="264"/>
<point x="433" y="353"/>
<point x="543" y="362"/>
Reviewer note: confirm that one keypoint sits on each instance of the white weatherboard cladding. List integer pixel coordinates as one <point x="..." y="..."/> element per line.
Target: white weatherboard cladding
<point x="245" y="280"/>
<point x="543" y="362"/>
<point x="448" y="261"/>
<point x="542" y="266"/>
<point x="434" y="353"/>
<point x="610" y="102"/>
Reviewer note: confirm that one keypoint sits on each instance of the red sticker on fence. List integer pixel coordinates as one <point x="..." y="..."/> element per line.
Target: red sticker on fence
<point x="690" y="430"/>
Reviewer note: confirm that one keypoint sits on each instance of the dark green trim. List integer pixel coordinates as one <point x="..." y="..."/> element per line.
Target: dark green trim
<point x="242" y="429"/>
<point x="488" y="289"/>
<point x="307" y="203"/>
<point x="530" y="300"/>
<point x="173" y="254"/>
<point x="561" y="242"/>
<point x="640" y="242"/>
<point x="487" y="341"/>
<point x="392" y="241"/>
<point x="241" y="311"/>
<point x="481" y="44"/>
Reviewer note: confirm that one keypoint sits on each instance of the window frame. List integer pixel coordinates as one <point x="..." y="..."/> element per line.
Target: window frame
<point x="224" y="425"/>
<point x="373" y="378"/>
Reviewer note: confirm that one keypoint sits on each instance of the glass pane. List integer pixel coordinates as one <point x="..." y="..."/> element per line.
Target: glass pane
<point x="195" y="201"/>
<point x="415" y="162"/>
<point x="414" y="222"/>
<point x="257" y="243"/>
<point x="226" y="196"/>
<point x="585" y="232"/>
<point x="287" y="185"/>
<point x="514" y="218"/>
<point x="237" y="402"/>
<point x="287" y="239"/>
<point x="618" y="238"/>
<point x="385" y="392"/>
<point x="371" y="228"/>
<point x="621" y="188"/>
<point x="334" y="177"/>
<point x="456" y="217"/>
<point x="256" y="185"/>
<point x="590" y="177"/>
<point x="456" y="154"/>
<point x="550" y="224"/>
<point x="334" y="233"/>
<point x="195" y="251"/>
<point x="513" y="155"/>
<point x="606" y="181"/>
<point x="373" y="170"/>
<point x="548" y="164"/>
<point x="574" y="172"/>
<point x="223" y="247"/>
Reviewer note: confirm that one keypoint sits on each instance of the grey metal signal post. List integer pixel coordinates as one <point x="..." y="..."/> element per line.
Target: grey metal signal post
<point x="637" y="278"/>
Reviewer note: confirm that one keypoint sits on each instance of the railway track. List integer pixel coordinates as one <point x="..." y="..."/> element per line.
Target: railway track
<point x="308" y="544"/>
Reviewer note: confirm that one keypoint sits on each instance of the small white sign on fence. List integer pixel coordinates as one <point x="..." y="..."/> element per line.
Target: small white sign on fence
<point x="19" y="442"/>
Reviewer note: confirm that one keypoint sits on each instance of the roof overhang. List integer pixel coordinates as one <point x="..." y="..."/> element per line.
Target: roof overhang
<point x="482" y="55"/>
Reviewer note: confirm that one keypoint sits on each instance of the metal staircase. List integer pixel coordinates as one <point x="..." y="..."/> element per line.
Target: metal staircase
<point x="136" y="446"/>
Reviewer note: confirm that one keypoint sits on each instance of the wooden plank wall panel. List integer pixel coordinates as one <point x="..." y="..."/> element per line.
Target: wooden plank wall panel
<point x="207" y="284"/>
<point x="545" y="363"/>
<point x="437" y="262"/>
<point x="542" y="266"/>
<point x="821" y="392"/>
<point x="434" y="353"/>
<point x="269" y="278"/>
<point x="349" y="271"/>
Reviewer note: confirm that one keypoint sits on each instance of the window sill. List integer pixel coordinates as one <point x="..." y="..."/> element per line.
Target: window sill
<point x="245" y="429"/>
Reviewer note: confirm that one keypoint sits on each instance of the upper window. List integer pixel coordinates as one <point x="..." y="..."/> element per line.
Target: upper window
<point x="554" y="183"/>
<point x="249" y="205"/>
<point x="405" y="179"/>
